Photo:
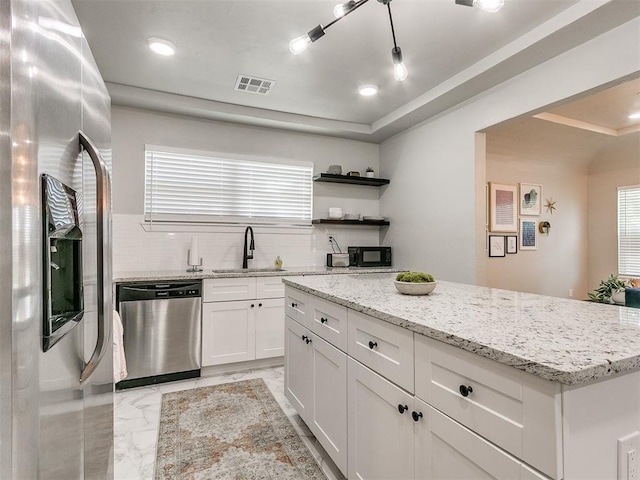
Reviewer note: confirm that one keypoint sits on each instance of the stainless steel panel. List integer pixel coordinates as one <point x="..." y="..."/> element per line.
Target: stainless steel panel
<point x="43" y="419"/>
<point x="161" y="336"/>
<point x="5" y="244"/>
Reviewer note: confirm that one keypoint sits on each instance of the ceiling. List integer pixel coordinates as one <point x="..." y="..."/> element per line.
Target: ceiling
<point x="452" y="53"/>
<point x="577" y="131"/>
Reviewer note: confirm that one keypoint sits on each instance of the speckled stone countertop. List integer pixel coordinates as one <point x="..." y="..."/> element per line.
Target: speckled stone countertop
<point x="173" y="275"/>
<point x="562" y="340"/>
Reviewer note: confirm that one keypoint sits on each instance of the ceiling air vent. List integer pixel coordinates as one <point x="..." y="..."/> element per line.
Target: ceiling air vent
<point x="246" y="83"/>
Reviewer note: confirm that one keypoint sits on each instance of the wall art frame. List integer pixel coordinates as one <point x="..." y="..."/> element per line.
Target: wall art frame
<point x="511" y="245"/>
<point x="496" y="246"/>
<point x="528" y="234"/>
<point x="503" y="209"/>
<point x="530" y="199"/>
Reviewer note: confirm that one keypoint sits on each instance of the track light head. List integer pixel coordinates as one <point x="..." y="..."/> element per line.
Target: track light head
<point x="400" y="72"/>
<point x="300" y="44"/>
<point x="342" y="9"/>
<point x="486" y="5"/>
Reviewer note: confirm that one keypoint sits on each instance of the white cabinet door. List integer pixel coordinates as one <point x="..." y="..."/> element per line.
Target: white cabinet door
<point x="380" y="437"/>
<point x="228" y="332"/>
<point x="269" y="327"/>
<point x="298" y="368"/>
<point x="329" y="418"/>
<point x="446" y="449"/>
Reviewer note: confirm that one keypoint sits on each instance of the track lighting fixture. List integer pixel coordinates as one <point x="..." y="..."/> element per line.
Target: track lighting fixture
<point x="400" y="72"/>
<point x="300" y="44"/>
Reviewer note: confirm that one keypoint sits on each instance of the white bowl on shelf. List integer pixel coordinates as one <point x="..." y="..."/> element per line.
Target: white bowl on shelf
<point x="352" y="216"/>
<point x="414" y="288"/>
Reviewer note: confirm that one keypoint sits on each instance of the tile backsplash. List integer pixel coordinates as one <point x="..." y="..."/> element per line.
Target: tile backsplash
<point x="137" y="250"/>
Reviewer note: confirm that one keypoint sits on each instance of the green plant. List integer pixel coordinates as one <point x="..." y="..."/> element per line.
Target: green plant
<point x="369" y="169"/>
<point x="415" y="277"/>
<point x="607" y="288"/>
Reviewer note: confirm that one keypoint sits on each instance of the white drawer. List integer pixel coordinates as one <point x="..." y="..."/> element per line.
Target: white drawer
<point x="269" y="287"/>
<point x="385" y="348"/>
<point x="296" y="305"/>
<point x="446" y="449"/>
<point x="226" y="289"/>
<point x="513" y="409"/>
<point x="329" y="321"/>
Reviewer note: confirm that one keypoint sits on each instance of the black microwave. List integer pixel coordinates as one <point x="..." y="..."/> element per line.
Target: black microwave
<point x="369" y="256"/>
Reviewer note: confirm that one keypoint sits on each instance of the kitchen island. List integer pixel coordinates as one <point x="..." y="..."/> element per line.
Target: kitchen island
<point x="542" y="387"/>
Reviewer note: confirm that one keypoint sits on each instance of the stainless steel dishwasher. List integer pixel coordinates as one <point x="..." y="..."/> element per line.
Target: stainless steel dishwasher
<point x="161" y="331"/>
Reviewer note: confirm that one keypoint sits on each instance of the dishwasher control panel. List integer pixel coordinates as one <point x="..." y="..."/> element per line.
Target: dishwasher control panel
<point x="152" y="291"/>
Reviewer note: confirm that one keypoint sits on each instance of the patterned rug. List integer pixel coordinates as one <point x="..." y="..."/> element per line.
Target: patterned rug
<point x="233" y="431"/>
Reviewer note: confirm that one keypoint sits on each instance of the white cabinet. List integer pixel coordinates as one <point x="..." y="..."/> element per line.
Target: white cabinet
<point x="298" y="369"/>
<point x="515" y="410"/>
<point x="242" y="319"/>
<point x="228" y="332"/>
<point x="445" y="449"/>
<point x="316" y="385"/>
<point x="380" y="433"/>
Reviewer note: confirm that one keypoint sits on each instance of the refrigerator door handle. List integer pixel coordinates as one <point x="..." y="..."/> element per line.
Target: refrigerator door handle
<point x="103" y="209"/>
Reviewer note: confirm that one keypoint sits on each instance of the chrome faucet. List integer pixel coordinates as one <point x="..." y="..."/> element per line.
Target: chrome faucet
<point x="247" y="256"/>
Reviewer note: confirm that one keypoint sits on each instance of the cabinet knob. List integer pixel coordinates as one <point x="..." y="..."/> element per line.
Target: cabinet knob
<point x="402" y="408"/>
<point x="259" y="304"/>
<point x="294" y="305"/>
<point x="372" y="345"/>
<point x="416" y="416"/>
<point x="306" y="339"/>
<point x="252" y="305"/>
<point x="465" y="390"/>
<point x="323" y="320"/>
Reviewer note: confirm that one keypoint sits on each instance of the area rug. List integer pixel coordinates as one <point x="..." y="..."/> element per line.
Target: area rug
<point x="233" y="431"/>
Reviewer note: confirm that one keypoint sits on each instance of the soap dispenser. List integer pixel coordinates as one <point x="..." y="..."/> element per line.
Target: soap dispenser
<point x="278" y="262"/>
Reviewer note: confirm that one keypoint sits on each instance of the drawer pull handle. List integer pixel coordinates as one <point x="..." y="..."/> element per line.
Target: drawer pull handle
<point x="372" y="345"/>
<point x="402" y="408"/>
<point x="294" y="305"/>
<point x="323" y="320"/>
<point x="465" y="390"/>
<point x="306" y="339"/>
<point x="416" y="416"/>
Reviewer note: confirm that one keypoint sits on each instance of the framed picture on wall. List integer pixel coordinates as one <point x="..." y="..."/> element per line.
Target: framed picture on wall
<point x="528" y="234"/>
<point x="503" y="209"/>
<point x="512" y="243"/>
<point x="496" y="246"/>
<point x="530" y="199"/>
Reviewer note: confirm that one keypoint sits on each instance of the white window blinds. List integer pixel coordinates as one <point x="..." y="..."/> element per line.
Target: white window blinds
<point x="629" y="231"/>
<point x="188" y="187"/>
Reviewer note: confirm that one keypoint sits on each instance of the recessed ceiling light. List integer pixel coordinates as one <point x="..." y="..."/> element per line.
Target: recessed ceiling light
<point x="367" y="90"/>
<point x="633" y="116"/>
<point x="162" y="47"/>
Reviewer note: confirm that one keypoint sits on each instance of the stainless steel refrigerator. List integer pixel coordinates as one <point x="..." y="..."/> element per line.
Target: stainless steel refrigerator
<point x="56" y="363"/>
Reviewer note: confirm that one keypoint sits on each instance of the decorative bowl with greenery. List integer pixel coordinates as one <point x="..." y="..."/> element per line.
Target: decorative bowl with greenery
<point x="608" y="289"/>
<point x="415" y="283"/>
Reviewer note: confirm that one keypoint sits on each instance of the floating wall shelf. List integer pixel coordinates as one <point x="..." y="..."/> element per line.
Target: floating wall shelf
<point x="331" y="221"/>
<point x="330" y="178"/>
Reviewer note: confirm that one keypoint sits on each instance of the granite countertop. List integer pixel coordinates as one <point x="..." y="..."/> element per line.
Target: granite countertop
<point x="562" y="340"/>
<point x="180" y="275"/>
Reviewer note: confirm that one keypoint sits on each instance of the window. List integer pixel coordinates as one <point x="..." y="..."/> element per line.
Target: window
<point x="629" y="231"/>
<point x="186" y="186"/>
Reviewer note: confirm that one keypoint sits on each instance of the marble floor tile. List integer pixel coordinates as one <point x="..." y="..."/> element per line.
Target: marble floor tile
<point x="137" y="419"/>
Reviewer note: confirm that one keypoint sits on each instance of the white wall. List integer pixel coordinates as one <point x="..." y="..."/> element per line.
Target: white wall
<point x="138" y="250"/>
<point x="431" y="200"/>
<point x="614" y="167"/>
<point x="537" y="271"/>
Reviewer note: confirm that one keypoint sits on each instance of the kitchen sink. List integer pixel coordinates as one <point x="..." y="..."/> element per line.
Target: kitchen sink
<point x="250" y="270"/>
